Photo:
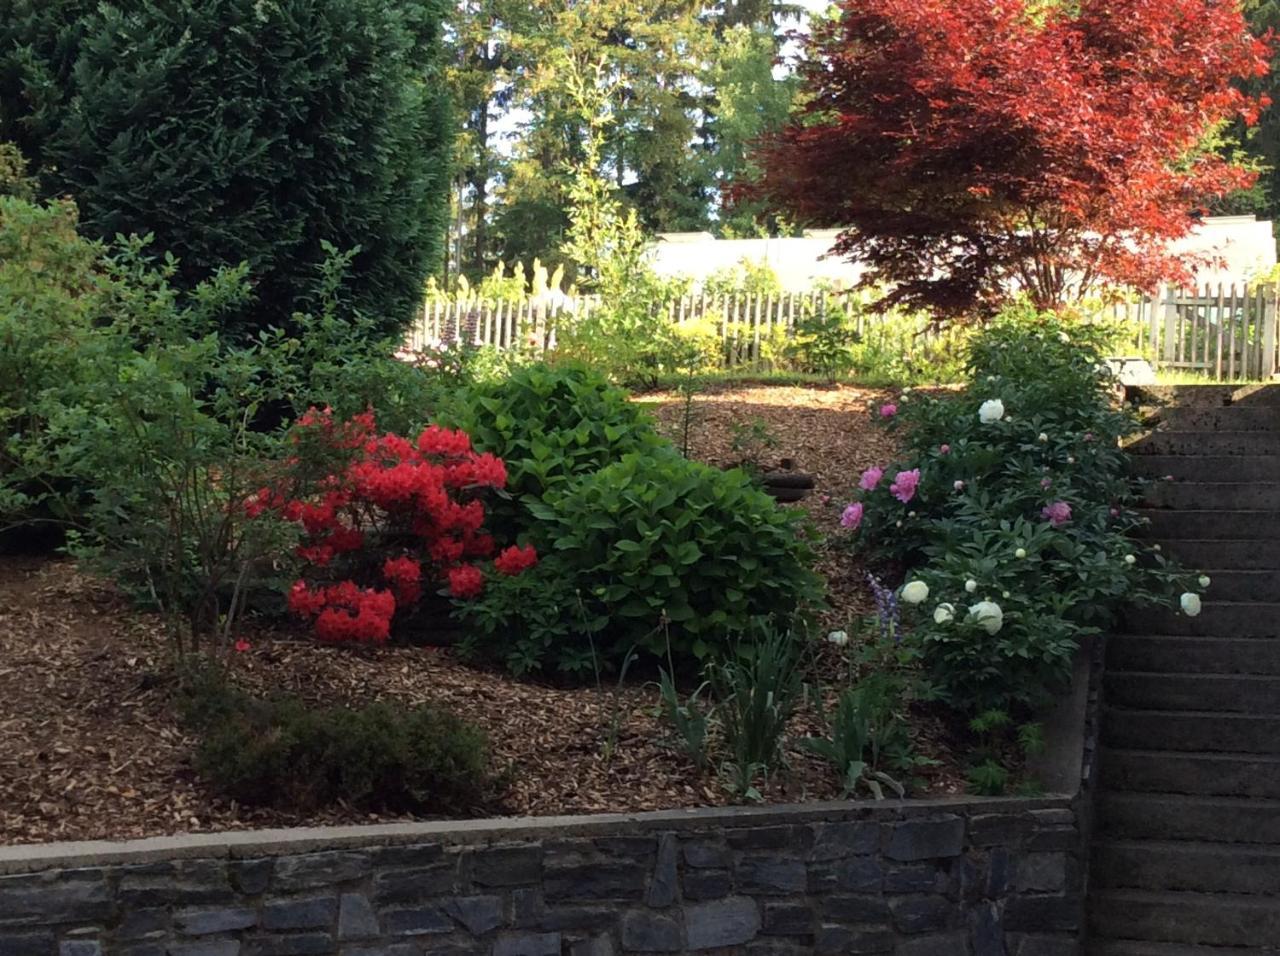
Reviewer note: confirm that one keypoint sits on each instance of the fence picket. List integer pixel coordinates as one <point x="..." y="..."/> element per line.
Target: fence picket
<point x="1224" y="331"/>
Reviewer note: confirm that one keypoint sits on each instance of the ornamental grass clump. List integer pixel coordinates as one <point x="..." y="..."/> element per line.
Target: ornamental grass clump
<point x="1013" y="508"/>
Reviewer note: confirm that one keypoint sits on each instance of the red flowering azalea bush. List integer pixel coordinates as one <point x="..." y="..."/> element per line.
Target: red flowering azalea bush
<point x="382" y="519"/>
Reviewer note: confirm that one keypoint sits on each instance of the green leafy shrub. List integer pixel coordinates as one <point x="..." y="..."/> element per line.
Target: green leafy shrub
<point x="550" y="425"/>
<point x="1014" y="507"/>
<point x="284" y="753"/>
<point x="657" y="539"/>
<point x="530" y="623"/>
<point x="52" y="293"/>
<point x="239" y="131"/>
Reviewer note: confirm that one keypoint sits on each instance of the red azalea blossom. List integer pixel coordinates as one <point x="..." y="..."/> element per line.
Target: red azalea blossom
<point x="382" y="490"/>
<point x="513" y="560"/>
<point x="466" y="581"/>
<point x="242" y="645"/>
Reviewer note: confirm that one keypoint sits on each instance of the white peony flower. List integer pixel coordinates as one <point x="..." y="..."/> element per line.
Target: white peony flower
<point x="988" y="616"/>
<point x="915" y="591"/>
<point x="959" y="485"/>
<point x="1129" y="559"/>
<point x="971" y="585"/>
<point x="944" y="614"/>
<point x="1190" y="604"/>
<point x="1155" y="547"/>
<point x="1005" y="594"/>
<point x="1020" y="553"/>
<point x="992" y="410"/>
<point x="1071" y="460"/>
<point x="838" y="638"/>
<point x="1043" y="437"/>
<point x="1205" y="581"/>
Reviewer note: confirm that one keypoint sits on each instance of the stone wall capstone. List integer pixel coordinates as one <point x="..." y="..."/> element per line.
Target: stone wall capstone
<point x="959" y="877"/>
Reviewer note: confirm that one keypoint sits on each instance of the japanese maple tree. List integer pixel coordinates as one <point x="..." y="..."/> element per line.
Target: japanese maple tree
<point x="970" y="147"/>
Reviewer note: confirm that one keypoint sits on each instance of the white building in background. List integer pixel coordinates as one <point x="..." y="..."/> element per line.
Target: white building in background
<point x="1244" y="243"/>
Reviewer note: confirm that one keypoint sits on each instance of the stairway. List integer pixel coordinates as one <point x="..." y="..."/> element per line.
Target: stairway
<point x="1186" y="851"/>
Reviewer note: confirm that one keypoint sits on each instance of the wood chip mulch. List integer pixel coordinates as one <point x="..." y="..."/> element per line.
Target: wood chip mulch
<point x="90" y="747"/>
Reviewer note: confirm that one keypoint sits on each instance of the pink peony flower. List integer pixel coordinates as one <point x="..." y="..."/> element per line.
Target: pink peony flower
<point x="1057" y="514"/>
<point x="944" y="449"/>
<point x="888" y="410"/>
<point x="870" y="478"/>
<point x="852" y="516"/>
<point x="904" y="485"/>
<point x="959" y="485"/>
<point x="1115" y="512"/>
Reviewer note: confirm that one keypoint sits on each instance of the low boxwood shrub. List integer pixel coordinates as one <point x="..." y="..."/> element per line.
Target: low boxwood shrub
<point x="284" y="753"/>
<point x="664" y="552"/>
<point x="1013" y="510"/>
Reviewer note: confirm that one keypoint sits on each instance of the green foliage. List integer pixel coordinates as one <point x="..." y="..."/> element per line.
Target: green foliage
<point x="687" y="717"/>
<point x="757" y="688"/>
<point x="530" y="623"/>
<point x="132" y="422"/>
<point x="52" y="293"/>
<point x="657" y="539"/>
<point x="989" y="538"/>
<point x="865" y="725"/>
<point x="237" y="131"/>
<point x="549" y="425"/>
<point x="285" y="753"/>
<point x="823" y="342"/>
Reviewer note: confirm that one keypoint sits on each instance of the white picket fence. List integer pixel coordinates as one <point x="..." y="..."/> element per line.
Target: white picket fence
<point x="1224" y="332"/>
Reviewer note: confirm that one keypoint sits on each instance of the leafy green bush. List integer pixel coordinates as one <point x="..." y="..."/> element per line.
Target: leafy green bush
<point x="530" y="623"/>
<point x="286" y="754"/>
<point x="239" y="131"/>
<point x="550" y="425"/>
<point x="52" y="293"/>
<point x="655" y="539"/>
<point x="1014" y="507"/>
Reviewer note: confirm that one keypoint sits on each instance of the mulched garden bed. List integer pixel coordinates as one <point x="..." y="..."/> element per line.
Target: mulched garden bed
<point x="90" y="747"/>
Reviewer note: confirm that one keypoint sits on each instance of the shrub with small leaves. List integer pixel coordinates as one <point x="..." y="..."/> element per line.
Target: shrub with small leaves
<point x="285" y="753"/>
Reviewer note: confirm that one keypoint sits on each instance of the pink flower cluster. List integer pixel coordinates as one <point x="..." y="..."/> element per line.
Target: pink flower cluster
<point x="1057" y="513"/>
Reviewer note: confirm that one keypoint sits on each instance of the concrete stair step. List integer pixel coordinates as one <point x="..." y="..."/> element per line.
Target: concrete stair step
<point x="1172" y="816"/>
<point x="1198" y="395"/>
<point x="1253" y="395"/>
<point x="1133" y="947"/>
<point x="1224" y="555"/>
<point x="1211" y="524"/>
<point x="1218" y="443"/>
<point x="1235" y="585"/>
<point x="1191" y="730"/>
<point x="1236" y="618"/>
<point x="1207" y="467"/>
<point x="1216" y="919"/>
<point x="1213" y="495"/>
<point x="1230" y="693"/>
<point x="1184" y="865"/>
<point x="1193" y="655"/>
<point x="1231" y="418"/>
<point x="1205" y="774"/>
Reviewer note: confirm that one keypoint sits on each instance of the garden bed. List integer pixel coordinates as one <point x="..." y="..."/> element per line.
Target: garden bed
<point x="90" y="746"/>
<point x="827" y="431"/>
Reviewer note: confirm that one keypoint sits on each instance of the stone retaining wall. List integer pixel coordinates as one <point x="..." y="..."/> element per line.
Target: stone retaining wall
<point x="937" y="878"/>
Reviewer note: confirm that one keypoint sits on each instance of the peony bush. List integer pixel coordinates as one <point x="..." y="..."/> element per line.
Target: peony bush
<point x="1013" y="510"/>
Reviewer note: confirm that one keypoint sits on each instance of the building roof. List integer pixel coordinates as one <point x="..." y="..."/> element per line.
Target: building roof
<point x="1244" y="243"/>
